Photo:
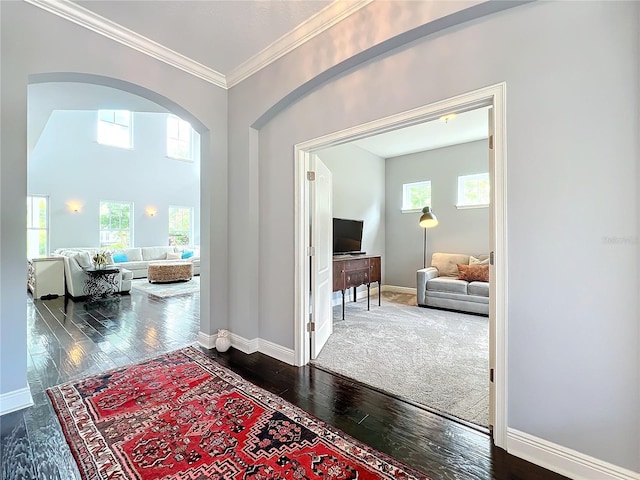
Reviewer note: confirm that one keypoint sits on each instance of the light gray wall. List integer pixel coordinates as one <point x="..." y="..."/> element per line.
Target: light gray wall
<point x="68" y="164"/>
<point x="574" y="375"/>
<point x="358" y="193"/>
<point x="35" y="42"/>
<point x="458" y="231"/>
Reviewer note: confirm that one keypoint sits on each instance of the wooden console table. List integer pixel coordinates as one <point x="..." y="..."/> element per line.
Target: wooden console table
<point x="351" y="271"/>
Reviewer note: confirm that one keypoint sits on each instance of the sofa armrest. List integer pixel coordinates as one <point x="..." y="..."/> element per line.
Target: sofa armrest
<point x="423" y="276"/>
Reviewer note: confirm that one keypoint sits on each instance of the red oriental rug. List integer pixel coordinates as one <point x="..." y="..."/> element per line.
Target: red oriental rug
<point x="184" y="416"/>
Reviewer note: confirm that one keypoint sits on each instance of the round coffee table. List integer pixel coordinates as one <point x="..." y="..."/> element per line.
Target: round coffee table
<point x="169" y="271"/>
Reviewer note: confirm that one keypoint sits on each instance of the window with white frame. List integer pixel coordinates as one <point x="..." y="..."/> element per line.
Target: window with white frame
<point x="115" y="224"/>
<point x="416" y="196"/>
<point x="180" y="225"/>
<point x="37" y="226"/>
<point x="115" y="128"/>
<point x="179" y="139"/>
<point x="474" y="190"/>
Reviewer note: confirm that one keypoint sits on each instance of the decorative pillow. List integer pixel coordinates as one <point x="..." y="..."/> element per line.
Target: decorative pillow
<point x="474" y="273"/>
<point x="476" y="261"/>
<point x="173" y="256"/>
<point x="187" y="254"/>
<point x="120" y="257"/>
<point x="83" y="259"/>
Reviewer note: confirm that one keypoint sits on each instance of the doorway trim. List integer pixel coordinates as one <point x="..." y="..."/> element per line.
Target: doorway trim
<point x="495" y="96"/>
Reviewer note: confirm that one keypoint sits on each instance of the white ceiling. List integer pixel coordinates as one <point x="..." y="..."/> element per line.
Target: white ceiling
<point x="466" y="127"/>
<point x="220" y="34"/>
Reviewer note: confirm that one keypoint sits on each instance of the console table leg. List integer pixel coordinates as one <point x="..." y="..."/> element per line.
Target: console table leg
<point x="379" y="290"/>
<point x="343" y="304"/>
<point x="368" y="291"/>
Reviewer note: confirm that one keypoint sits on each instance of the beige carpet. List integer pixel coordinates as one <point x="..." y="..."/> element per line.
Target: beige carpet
<point x="164" y="290"/>
<point x="432" y="357"/>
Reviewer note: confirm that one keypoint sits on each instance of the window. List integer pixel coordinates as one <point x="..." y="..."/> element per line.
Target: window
<point x="179" y="139"/>
<point x="180" y="225"/>
<point x="473" y="190"/>
<point x="37" y="226"/>
<point x="115" y="224"/>
<point x="114" y="128"/>
<point x="416" y="196"/>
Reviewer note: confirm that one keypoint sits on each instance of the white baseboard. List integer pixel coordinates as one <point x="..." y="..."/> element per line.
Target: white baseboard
<point x="360" y="294"/>
<point x="251" y="346"/>
<point x="276" y="351"/>
<point x="207" y="341"/>
<point x="563" y="460"/>
<point x="15" y="400"/>
<point x="244" y="345"/>
<point x="396" y="289"/>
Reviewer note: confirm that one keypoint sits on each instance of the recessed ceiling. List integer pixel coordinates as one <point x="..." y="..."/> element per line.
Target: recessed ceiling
<point x="466" y="127"/>
<point x="220" y="34"/>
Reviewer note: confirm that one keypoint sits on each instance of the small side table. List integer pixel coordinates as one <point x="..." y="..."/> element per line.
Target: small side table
<point x="101" y="282"/>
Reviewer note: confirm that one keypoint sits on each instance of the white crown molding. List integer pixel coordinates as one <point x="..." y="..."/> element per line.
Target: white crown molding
<point x="563" y="460"/>
<point x="315" y="25"/>
<point x="323" y="20"/>
<point x="98" y="24"/>
<point x="15" y="400"/>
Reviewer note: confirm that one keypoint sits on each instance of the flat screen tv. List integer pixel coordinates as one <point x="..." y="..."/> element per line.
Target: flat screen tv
<point x="347" y="236"/>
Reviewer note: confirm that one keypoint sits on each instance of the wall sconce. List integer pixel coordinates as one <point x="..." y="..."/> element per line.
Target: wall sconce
<point x="151" y="211"/>
<point x="75" y="207"/>
<point x="446" y="118"/>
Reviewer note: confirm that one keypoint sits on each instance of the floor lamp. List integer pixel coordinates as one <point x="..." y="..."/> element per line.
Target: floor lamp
<point x="427" y="220"/>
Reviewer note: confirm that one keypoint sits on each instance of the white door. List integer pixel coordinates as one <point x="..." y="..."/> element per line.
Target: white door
<point x="320" y="200"/>
<point x="492" y="274"/>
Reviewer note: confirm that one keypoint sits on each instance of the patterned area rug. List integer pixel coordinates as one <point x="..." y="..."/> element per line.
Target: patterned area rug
<point x="183" y="416"/>
<point x="164" y="290"/>
<point x="435" y="358"/>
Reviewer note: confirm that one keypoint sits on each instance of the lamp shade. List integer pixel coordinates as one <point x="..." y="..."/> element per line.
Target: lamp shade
<point x="428" y="218"/>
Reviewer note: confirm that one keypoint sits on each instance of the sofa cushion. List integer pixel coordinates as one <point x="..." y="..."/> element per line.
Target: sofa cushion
<point x="472" y="273"/>
<point x="480" y="260"/>
<point x="133" y="254"/>
<point x="156" y="253"/>
<point x="479" y="288"/>
<point x="447" y="263"/>
<point x="173" y="256"/>
<point x="83" y="259"/>
<point x="447" y="284"/>
<point x="126" y="274"/>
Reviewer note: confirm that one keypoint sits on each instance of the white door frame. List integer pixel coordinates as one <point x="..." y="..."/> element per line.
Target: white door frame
<point x="495" y="96"/>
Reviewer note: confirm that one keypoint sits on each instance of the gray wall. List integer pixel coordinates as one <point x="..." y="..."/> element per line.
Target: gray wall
<point x="81" y="54"/>
<point x="458" y="231"/>
<point x="358" y="193"/>
<point x="68" y="164"/>
<point x="574" y="375"/>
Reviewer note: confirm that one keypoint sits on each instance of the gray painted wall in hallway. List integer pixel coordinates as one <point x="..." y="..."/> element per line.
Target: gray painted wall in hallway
<point x="458" y="231"/>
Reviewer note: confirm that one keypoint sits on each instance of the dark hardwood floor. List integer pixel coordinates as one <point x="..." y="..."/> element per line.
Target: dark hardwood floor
<point x="68" y="340"/>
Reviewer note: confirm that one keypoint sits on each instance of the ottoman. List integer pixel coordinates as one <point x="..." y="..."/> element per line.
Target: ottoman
<point x="169" y="271"/>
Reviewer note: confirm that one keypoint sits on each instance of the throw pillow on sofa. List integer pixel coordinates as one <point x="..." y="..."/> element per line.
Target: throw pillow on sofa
<point x="173" y="256"/>
<point x="476" y="261"/>
<point x="187" y="254"/>
<point x="474" y="273"/>
<point x="120" y="257"/>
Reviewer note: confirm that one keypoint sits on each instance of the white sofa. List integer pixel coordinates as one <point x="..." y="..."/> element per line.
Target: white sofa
<point x="138" y="258"/>
<point x="440" y="284"/>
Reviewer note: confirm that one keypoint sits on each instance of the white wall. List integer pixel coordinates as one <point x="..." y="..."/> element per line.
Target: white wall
<point x="458" y="231"/>
<point x="68" y="164"/>
<point x="573" y="340"/>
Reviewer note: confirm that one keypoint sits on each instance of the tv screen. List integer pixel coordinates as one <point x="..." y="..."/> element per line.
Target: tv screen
<point x="347" y="235"/>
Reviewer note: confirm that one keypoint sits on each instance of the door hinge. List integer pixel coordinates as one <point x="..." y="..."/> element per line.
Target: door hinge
<point x="490" y="142"/>
<point x="312" y="326"/>
<point x="491" y="258"/>
<point x="491" y="375"/>
<point x="311" y="176"/>
<point x="311" y="251"/>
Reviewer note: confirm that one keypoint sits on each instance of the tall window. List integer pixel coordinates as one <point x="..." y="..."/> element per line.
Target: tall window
<point x="474" y="190"/>
<point x="179" y="138"/>
<point x="37" y="226"/>
<point x="180" y="225"/>
<point x="114" y="128"/>
<point x="115" y="224"/>
<point x="416" y="195"/>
